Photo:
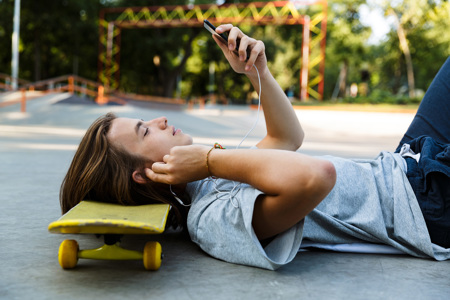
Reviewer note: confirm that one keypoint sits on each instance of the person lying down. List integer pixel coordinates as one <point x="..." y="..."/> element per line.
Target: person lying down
<point x="256" y="206"/>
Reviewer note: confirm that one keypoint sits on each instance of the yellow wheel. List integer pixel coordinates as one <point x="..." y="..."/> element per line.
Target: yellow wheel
<point x="68" y="254"/>
<point x="152" y="256"/>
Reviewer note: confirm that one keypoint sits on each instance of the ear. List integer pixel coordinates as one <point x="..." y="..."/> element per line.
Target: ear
<point x="138" y="177"/>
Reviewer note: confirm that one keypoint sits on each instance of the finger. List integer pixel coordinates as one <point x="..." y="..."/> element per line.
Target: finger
<point x="257" y="49"/>
<point x="223" y="28"/>
<point x="153" y="176"/>
<point x="159" y="168"/>
<point x="220" y="39"/>
<point x="220" y="42"/>
<point x="234" y="34"/>
<point x="243" y="47"/>
<point x="223" y="47"/>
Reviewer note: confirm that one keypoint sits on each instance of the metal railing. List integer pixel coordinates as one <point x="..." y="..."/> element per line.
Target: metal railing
<point x="6" y="82"/>
<point x="66" y="83"/>
<point x="76" y="84"/>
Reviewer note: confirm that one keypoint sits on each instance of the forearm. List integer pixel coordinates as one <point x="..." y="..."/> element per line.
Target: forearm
<point x="283" y="127"/>
<point x="272" y="171"/>
<point x="292" y="183"/>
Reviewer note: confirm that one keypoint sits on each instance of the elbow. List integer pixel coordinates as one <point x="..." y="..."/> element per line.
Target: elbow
<point x="297" y="140"/>
<point x="300" y="138"/>
<point x="307" y="193"/>
<point x="329" y="176"/>
<point x="325" y="179"/>
<point x="321" y="181"/>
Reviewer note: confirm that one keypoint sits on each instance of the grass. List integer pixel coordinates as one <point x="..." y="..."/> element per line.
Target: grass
<point x="367" y="107"/>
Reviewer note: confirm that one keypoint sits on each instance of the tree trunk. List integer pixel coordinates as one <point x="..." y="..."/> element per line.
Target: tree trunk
<point x="405" y="49"/>
<point x="341" y="84"/>
<point x="343" y="79"/>
<point x="168" y="79"/>
<point x="169" y="85"/>
<point x="37" y="56"/>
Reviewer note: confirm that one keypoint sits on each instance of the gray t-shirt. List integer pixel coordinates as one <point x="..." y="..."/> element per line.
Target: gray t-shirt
<point x="372" y="201"/>
<point x="222" y="227"/>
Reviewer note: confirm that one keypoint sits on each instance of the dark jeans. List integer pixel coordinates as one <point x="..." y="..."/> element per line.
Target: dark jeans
<point x="429" y="134"/>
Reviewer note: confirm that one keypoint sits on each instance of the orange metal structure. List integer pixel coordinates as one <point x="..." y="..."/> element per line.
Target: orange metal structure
<point x="67" y="83"/>
<point x="113" y="20"/>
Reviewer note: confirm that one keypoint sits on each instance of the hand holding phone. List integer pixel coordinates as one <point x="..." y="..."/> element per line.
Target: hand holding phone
<point x="211" y="28"/>
<point x="222" y="36"/>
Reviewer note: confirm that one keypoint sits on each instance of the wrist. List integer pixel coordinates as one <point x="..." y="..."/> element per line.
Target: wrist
<point x="208" y="162"/>
<point x="264" y="73"/>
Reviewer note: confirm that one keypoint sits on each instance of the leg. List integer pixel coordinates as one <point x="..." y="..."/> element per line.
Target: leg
<point x="433" y="116"/>
<point x="430" y="180"/>
<point x="433" y="170"/>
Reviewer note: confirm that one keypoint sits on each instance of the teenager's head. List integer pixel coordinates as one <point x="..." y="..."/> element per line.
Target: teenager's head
<point x="109" y="163"/>
<point x="150" y="140"/>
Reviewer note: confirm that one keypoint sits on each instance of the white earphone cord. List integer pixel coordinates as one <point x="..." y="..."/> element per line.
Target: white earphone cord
<point x="259" y="109"/>
<point x="236" y="184"/>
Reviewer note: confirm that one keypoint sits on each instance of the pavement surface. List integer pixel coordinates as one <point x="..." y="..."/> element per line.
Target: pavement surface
<point x="36" y="149"/>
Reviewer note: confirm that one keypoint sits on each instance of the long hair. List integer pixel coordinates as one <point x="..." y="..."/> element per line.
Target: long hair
<point x="101" y="171"/>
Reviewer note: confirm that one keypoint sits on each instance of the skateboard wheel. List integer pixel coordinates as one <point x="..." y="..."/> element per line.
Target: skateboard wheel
<point x="152" y="256"/>
<point x="68" y="254"/>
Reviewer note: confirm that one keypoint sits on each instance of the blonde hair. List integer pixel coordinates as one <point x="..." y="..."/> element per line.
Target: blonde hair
<point x="102" y="172"/>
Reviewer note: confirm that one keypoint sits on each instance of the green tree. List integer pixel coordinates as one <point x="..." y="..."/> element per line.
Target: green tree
<point x="6" y="29"/>
<point x="421" y="28"/>
<point x="153" y="60"/>
<point x="346" y="46"/>
<point x="56" y="38"/>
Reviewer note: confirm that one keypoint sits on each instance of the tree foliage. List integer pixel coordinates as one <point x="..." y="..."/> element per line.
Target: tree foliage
<point x="61" y="37"/>
<point x="424" y="24"/>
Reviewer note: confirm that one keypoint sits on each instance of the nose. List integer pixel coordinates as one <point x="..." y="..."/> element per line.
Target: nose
<point x="160" y="122"/>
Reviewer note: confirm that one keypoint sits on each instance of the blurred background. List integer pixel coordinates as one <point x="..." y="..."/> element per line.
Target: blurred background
<point x="378" y="56"/>
<point x="376" y="51"/>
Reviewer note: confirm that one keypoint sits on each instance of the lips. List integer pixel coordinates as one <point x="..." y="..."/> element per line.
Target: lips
<point x="175" y="130"/>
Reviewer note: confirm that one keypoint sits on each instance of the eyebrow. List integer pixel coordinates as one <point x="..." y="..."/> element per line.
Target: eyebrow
<point x="138" y="125"/>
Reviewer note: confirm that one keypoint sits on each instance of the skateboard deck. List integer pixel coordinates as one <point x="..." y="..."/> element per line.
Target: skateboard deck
<point x="112" y="221"/>
<point x="106" y="218"/>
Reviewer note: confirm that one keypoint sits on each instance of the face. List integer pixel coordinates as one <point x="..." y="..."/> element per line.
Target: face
<point x="150" y="139"/>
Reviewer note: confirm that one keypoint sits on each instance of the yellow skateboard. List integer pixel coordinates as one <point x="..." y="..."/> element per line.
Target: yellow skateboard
<point x="112" y="221"/>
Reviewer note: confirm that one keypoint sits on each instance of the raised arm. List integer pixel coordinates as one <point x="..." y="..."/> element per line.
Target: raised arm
<point x="283" y="127"/>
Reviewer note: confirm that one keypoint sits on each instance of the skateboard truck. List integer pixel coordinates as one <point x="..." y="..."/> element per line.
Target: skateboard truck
<point x="69" y="253"/>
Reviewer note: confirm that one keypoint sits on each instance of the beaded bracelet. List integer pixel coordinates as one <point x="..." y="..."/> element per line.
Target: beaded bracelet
<point x="216" y="146"/>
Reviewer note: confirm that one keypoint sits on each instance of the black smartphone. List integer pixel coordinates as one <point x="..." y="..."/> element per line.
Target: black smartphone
<point x="211" y="28"/>
<point x="223" y="37"/>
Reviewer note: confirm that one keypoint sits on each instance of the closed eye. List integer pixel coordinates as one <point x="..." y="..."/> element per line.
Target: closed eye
<point x="146" y="131"/>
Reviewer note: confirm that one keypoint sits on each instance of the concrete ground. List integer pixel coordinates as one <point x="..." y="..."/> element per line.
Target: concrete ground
<point x="36" y="149"/>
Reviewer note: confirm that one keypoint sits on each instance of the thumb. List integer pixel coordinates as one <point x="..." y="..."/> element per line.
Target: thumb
<point x="221" y="43"/>
<point x="151" y="175"/>
<point x="148" y="172"/>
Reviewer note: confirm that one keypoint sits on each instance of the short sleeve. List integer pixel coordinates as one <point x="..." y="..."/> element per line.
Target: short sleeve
<point x="222" y="227"/>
